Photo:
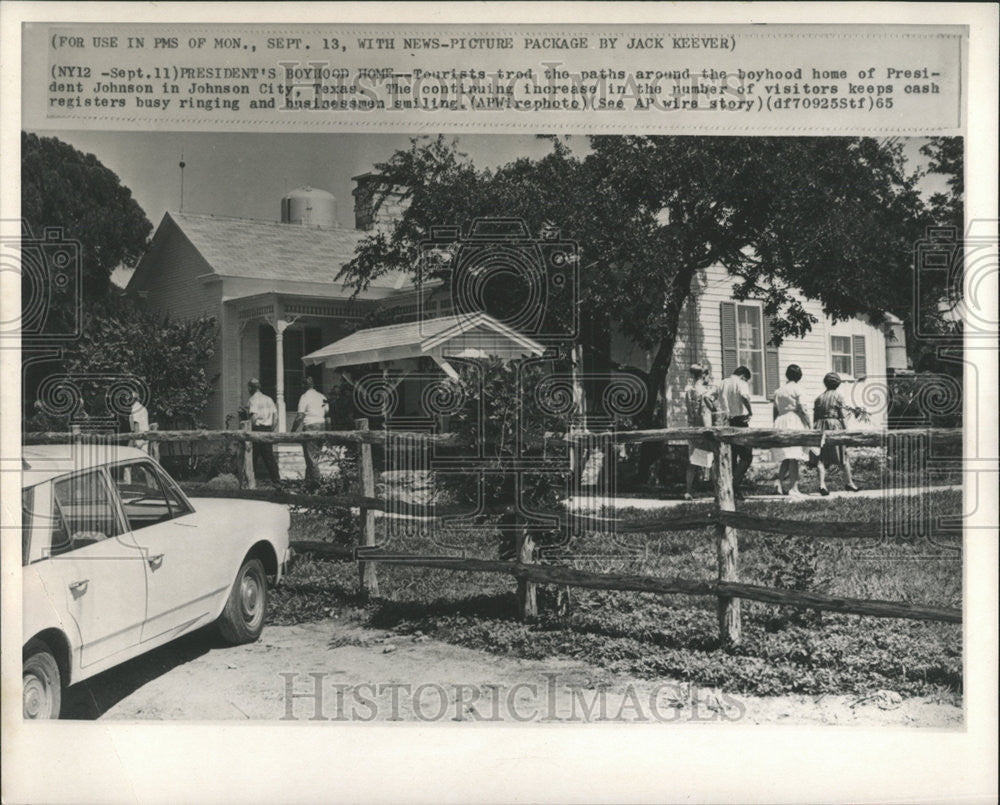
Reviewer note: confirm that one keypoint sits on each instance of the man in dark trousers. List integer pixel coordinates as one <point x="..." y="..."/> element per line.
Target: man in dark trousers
<point x="311" y="416"/>
<point x="263" y="417"/>
<point x="734" y="400"/>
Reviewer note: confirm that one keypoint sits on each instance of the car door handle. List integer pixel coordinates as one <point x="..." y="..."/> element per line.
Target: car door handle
<point x="79" y="587"/>
<point x="155" y="561"/>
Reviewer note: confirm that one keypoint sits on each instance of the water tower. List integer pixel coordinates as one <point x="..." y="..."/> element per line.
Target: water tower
<point x="309" y="206"/>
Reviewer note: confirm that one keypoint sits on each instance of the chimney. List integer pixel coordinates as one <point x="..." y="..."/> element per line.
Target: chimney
<point x="367" y="187"/>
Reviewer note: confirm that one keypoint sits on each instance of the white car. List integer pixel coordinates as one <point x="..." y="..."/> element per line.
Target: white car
<point x="117" y="561"/>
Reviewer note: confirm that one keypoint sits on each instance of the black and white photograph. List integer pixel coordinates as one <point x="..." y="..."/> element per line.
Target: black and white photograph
<point x="555" y="316"/>
<point x="472" y="428"/>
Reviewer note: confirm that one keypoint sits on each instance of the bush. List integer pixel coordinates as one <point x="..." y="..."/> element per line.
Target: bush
<point x="224" y="480"/>
<point x="169" y="358"/>
<point x="794" y="565"/>
<point x="336" y="524"/>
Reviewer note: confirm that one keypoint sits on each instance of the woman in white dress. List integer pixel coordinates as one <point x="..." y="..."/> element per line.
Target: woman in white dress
<point x="790" y="414"/>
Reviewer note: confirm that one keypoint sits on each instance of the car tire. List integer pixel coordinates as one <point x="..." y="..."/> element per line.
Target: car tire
<point x="42" y="697"/>
<point x="242" y="620"/>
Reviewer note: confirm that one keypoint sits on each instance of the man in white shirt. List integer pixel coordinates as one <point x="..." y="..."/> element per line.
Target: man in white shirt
<point x="734" y="401"/>
<point x="263" y="417"/>
<point x="138" y="422"/>
<point x="311" y="416"/>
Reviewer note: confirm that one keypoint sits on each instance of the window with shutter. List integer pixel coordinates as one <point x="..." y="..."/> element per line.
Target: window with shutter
<point x="727" y="312"/>
<point x="860" y="358"/>
<point x="841" y="355"/>
<point x="848" y="355"/>
<point x="772" y="370"/>
<point x="750" y="345"/>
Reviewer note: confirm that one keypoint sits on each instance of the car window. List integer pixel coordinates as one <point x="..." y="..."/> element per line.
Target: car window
<point x="178" y="505"/>
<point x="43" y="532"/>
<point x="145" y="499"/>
<point x="87" y="511"/>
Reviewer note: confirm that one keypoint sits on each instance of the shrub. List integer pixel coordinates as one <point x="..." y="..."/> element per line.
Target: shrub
<point x="224" y="480"/>
<point x="794" y="565"/>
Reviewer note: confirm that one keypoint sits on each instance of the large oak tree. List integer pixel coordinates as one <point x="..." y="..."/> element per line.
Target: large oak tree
<point x="832" y="219"/>
<point x="65" y="188"/>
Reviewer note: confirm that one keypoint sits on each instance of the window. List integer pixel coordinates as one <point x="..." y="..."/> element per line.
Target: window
<point x="145" y="499"/>
<point x="87" y="510"/>
<point x="750" y="345"/>
<point x="843" y="357"/>
<point x="43" y="532"/>
<point x="848" y="355"/>
<point x="178" y="505"/>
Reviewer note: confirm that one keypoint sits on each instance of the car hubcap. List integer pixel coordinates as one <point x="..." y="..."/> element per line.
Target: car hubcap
<point x="36" y="697"/>
<point x="250" y="597"/>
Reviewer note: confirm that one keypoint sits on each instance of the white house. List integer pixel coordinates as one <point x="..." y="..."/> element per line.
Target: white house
<point x="725" y="333"/>
<point x="272" y="287"/>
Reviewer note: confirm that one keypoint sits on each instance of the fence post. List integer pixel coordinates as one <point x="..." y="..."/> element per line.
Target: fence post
<point x="527" y="591"/>
<point x="366" y="570"/>
<point x="727" y="545"/>
<point x="247" y="480"/>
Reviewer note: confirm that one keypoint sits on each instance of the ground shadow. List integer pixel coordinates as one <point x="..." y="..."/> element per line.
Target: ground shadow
<point x="93" y="697"/>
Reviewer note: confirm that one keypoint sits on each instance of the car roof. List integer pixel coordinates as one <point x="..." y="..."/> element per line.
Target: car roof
<point x="45" y="461"/>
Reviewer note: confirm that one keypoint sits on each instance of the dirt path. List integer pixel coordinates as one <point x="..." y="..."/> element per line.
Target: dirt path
<point x="365" y="675"/>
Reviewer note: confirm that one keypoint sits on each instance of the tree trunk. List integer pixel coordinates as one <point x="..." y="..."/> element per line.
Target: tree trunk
<point x="657" y="376"/>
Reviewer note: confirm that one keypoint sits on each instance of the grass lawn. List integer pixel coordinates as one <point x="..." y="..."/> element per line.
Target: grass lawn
<point x="783" y="650"/>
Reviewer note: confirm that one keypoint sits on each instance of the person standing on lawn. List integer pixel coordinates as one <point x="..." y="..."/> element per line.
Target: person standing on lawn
<point x="311" y="416"/>
<point x="734" y="401"/>
<point x="263" y="414"/>
<point x="699" y="403"/>
<point x="138" y="422"/>
<point x="789" y="415"/>
<point x="829" y="414"/>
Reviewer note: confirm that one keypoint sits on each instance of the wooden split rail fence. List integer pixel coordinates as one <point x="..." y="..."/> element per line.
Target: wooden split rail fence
<point x="722" y="517"/>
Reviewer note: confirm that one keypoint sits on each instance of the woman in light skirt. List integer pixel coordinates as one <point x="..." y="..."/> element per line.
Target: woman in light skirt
<point x="789" y="414"/>
<point x="699" y="402"/>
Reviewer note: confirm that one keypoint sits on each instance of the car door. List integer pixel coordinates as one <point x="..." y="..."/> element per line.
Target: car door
<point x="183" y="579"/>
<point x="91" y="572"/>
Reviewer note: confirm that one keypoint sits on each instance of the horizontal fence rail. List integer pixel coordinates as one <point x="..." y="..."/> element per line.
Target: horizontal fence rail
<point x="719" y="515"/>
<point x="747" y="437"/>
<point x="336" y="437"/>
<point x="767" y="437"/>
<point x="555" y="574"/>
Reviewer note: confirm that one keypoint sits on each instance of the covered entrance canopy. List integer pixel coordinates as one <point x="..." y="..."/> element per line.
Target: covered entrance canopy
<point x="475" y="335"/>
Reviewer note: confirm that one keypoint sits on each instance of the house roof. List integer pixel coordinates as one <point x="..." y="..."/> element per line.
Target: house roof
<point x="426" y="337"/>
<point x="245" y="247"/>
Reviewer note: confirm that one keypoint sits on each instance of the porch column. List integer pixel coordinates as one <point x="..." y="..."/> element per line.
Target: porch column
<point x="279" y="354"/>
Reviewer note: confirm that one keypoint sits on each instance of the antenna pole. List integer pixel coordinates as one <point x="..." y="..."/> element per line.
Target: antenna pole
<point x="182" y="164"/>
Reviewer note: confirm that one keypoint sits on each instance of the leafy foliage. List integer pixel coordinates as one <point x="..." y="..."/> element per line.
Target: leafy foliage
<point x="503" y="414"/>
<point x="834" y="218"/>
<point x="120" y="337"/>
<point x="62" y="187"/>
<point x="939" y="302"/>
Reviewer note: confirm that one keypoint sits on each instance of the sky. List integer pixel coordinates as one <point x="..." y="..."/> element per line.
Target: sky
<point x="246" y="175"/>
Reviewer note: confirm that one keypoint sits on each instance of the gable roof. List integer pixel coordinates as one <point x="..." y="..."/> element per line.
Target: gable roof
<point x="415" y="338"/>
<point x="245" y="247"/>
